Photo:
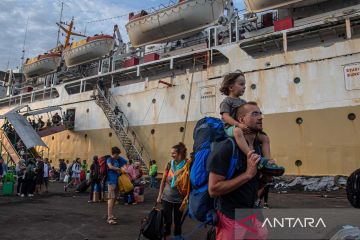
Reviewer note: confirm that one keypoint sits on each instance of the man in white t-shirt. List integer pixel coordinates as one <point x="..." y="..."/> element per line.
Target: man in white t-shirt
<point x="46" y="173"/>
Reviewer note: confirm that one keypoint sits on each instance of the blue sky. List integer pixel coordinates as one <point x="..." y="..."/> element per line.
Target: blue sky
<point x="42" y="15"/>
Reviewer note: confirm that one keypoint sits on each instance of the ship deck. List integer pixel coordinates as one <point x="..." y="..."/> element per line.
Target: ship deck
<point x="60" y="215"/>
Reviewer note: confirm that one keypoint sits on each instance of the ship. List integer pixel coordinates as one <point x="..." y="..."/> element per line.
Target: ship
<point x="301" y="60"/>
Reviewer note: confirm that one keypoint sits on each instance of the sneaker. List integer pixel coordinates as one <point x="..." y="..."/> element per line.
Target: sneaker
<point x="270" y="168"/>
<point x="22" y="195"/>
<point x="65" y="188"/>
<point x="18" y="194"/>
<point x="266" y="206"/>
<point x="30" y="195"/>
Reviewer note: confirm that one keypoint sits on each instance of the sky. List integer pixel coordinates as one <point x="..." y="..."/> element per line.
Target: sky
<point x="40" y="17"/>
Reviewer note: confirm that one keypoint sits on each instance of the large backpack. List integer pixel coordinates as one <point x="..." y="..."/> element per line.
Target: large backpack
<point x="208" y="131"/>
<point x="152" y="226"/>
<point x="103" y="166"/>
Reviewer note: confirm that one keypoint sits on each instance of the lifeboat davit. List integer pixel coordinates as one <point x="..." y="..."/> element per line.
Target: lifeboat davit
<point x="41" y="65"/>
<point x="88" y="49"/>
<point x="181" y="20"/>
<point x="264" y="5"/>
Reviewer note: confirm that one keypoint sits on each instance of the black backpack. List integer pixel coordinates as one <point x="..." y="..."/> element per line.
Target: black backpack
<point x="152" y="226"/>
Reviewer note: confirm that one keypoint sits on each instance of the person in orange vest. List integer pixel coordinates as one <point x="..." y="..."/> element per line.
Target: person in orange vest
<point x="169" y="194"/>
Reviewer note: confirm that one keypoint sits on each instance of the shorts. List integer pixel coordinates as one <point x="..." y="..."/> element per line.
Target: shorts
<point x="230" y="131"/>
<point x="229" y="229"/>
<point x="39" y="180"/>
<point x="112" y="191"/>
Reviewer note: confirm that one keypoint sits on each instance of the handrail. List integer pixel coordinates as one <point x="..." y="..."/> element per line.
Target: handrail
<point x="11" y="147"/>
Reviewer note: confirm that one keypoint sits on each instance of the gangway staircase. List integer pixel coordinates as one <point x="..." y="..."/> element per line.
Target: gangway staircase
<point x="8" y="147"/>
<point x="135" y="150"/>
<point x="22" y="130"/>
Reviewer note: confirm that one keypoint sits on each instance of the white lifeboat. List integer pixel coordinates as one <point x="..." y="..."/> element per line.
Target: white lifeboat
<point x="41" y="65"/>
<point x="88" y="49"/>
<point x="181" y="20"/>
<point x="264" y="5"/>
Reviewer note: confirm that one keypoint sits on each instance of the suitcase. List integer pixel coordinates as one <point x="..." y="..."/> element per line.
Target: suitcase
<point x="83" y="186"/>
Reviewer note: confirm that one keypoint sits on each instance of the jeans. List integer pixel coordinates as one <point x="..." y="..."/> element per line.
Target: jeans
<point x="168" y="209"/>
<point x="93" y="183"/>
<point x="153" y="182"/>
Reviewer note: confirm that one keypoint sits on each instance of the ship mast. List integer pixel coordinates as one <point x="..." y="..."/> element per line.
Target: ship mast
<point x="69" y="31"/>
<point x="23" y="49"/>
<point x="58" y="36"/>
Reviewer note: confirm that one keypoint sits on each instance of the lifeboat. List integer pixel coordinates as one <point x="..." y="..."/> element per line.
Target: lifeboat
<point x="264" y="5"/>
<point x="178" y="21"/>
<point x="41" y="65"/>
<point x="88" y="49"/>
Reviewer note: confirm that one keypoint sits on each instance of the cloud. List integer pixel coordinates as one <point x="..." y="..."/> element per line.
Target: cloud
<point x="43" y="14"/>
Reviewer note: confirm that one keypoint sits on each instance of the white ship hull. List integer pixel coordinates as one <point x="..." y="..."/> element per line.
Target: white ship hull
<point x="87" y="52"/>
<point x="41" y="67"/>
<point x="178" y="21"/>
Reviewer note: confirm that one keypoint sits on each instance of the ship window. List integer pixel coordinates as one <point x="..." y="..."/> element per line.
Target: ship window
<point x="182" y="129"/>
<point x="296" y="80"/>
<point x="152" y="131"/>
<point x="299" y="121"/>
<point x="253" y="86"/>
<point x="351" y="116"/>
<point x="182" y="96"/>
<point x="298" y="163"/>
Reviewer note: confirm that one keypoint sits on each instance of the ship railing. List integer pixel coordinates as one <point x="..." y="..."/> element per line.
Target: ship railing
<point x="124" y="123"/>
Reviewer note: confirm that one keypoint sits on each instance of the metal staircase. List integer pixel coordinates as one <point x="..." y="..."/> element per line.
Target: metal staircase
<point x="8" y="147"/>
<point x="119" y="123"/>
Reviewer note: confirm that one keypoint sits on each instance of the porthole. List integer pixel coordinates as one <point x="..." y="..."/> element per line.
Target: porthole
<point x="268" y="64"/>
<point x="68" y="137"/>
<point x="298" y="163"/>
<point x="253" y="86"/>
<point x="182" y="129"/>
<point x="351" y="116"/>
<point x="85" y="135"/>
<point x="129" y="104"/>
<point x="87" y="110"/>
<point x="152" y="131"/>
<point x="154" y="100"/>
<point x="299" y="121"/>
<point x="182" y="96"/>
<point x="296" y="80"/>
<point x="52" y="138"/>
<point x="110" y="134"/>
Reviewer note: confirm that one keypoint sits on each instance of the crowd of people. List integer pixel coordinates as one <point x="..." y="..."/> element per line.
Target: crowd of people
<point x="244" y="188"/>
<point x="33" y="176"/>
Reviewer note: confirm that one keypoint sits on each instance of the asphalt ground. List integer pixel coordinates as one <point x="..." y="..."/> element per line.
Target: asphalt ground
<point x="68" y="215"/>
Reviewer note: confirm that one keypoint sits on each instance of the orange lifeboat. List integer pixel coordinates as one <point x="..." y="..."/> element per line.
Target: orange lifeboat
<point x="88" y="49"/>
<point x="41" y="65"/>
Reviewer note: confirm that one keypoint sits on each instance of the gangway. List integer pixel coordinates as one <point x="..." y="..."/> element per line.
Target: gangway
<point x="8" y="147"/>
<point x="21" y="130"/>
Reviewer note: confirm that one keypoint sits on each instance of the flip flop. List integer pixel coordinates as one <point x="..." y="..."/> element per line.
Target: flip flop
<point x="111" y="222"/>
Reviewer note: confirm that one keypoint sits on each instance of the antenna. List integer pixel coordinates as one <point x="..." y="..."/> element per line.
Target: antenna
<point x="58" y="35"/>
<point x="23" y="49"/>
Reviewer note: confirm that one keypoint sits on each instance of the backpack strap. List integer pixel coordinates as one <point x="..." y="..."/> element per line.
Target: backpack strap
<point x="233" y="161"/>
